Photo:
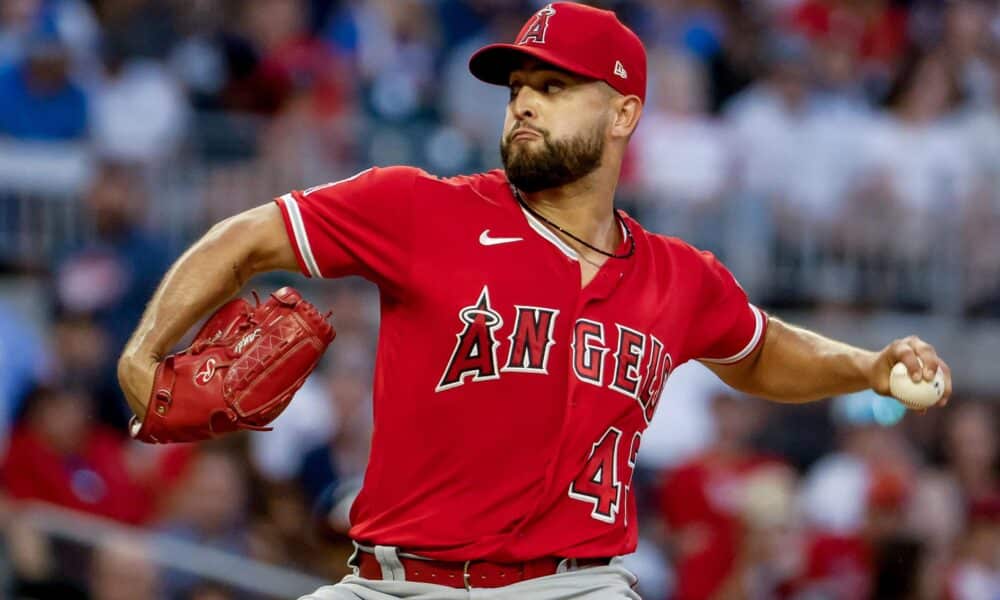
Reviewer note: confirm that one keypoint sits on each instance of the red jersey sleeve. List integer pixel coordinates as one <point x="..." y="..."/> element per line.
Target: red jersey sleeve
<point x="361" y="225"/>
<point x="728" y="327"/>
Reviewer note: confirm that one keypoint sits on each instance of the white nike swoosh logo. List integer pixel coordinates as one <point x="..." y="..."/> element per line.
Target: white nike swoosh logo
<point x="486" y="240"/>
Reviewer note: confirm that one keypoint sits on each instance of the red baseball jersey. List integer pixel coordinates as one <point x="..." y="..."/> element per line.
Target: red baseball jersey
<point x="509" y="402"/>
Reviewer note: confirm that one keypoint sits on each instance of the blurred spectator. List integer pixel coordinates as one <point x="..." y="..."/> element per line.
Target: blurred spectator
<point x="972" y="444"/>
<point x="475" y="111"/>
<point x="138" y="111"/>
<point x="309" y="420"/>
<point x="795" y="151"/>
<point x="769" y="553"/>
<point x="394" y="53"/>
<point x="914" y="162"/>
<point x="966" y="43"/>
<point x="798" y="144"/>
<point x="854" y="502"/>
<point x="981" y="220"/>
<point x="696" y="28"/>
<point x="210" y="507"/>
<point x="82" y="352"/>
<point x="24" y="363"/>
<point x="838" y="487"/>
<point x="944" y="497"/>
<point x="198" y="58"/>
<point x="684" y="425"/>
<point x="877" y="560"/>
<point x="810" y="133"/>
<point x="765" y="119"/>
<point x="976" y="573"/>
<point x="125" y="259"/>
<point x="282" y="528"/>
<point x="110" y="277"/>
<point x="462" y="19"/>
<point x="703" y="501"/>
<point x="38" y="100"/>
<point x="122" y="569"/>
<point x="876" y="28"/>
<point x="829" y="139"/>
<point x="683" y="157"/>
<point x="71" y="21"/>
<point x="317" y="77"/>
<point x="18" y="20"/>
<point x="345" y="452"/>
<point x="909" y="173"/>
<point x="58" y="455"/>
<point x="143" y="28"/>
<point x="739" y="60"/>
<point x="835" y="65"/>
<point x="30" y="562"/>
<point x="210" y="503"/>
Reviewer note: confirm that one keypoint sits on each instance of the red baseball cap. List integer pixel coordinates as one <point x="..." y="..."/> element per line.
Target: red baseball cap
<point x="581" y="39"/>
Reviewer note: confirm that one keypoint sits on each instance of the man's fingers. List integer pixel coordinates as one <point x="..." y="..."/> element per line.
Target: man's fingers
<point x="906" y="354"/>
<point x="928" y="356"/>
<point x="922" y="363"/>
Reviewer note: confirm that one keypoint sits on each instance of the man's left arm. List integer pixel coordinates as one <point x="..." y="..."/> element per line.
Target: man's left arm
<point x="795" y="365"/>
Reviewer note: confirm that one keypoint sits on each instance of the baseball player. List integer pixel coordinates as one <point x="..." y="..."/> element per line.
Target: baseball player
<point x="527" y="328"/>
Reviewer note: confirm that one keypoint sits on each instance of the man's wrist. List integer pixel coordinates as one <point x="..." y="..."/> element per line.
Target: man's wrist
<point x="135" y="376"/>
<point x="865" y="363"/>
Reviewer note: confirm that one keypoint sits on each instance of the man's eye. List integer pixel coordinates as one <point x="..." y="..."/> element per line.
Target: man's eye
<point x="552" y="87"/>
<point x="514" y="89"/>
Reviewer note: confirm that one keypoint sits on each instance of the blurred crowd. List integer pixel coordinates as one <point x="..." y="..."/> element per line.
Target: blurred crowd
<point x="848" y="136"/>
<point x="844" y="499"/>
<point x="834" y="132"/>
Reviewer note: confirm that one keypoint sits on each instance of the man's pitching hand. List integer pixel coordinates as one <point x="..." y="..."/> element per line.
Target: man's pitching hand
<point x="921" y="360"/>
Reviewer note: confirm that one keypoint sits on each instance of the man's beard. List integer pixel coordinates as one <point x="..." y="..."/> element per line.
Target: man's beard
<point x="556" y="164"/>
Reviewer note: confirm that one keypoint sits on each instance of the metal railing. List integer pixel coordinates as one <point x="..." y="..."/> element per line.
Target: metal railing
<point x="867" y="263"/>
<point x="208" y="564"/>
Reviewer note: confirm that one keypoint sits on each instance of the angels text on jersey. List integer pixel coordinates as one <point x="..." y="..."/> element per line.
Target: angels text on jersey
<point x="638" y="368"/>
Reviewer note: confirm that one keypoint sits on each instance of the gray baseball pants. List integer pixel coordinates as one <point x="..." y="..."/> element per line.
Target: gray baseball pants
<point x="611" y="582"/>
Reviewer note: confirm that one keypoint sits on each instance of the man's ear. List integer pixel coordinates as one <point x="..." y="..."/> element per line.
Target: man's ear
<point x="627" y="110"/>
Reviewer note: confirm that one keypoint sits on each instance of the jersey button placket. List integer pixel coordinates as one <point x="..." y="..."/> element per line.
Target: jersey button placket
<point x="599" y="289"/>
<point x="573" y="380"/>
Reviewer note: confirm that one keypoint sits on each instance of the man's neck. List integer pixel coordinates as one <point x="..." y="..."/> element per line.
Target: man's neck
<point x="585" y="208"/>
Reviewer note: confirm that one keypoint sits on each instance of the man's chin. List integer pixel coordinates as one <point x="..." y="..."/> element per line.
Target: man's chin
<point x="517" y="148"/>
<point x="529" y="183"/>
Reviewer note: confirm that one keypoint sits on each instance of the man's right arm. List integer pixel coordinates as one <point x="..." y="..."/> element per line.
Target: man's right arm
<point x="208" y="274"/>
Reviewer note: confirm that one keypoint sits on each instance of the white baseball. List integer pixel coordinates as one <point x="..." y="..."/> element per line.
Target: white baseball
<point x="920" y="395"/>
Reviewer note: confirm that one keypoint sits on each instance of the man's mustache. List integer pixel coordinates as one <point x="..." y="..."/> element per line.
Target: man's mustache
<point x="520" y="126"/>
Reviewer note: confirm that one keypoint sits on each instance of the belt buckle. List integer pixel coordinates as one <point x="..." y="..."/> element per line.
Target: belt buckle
<point x="466" y="576"/>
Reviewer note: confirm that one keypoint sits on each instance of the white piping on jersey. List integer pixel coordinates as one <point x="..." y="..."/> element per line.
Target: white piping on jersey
<point x="301" y="239"/>
<point x="555" y="240"/>
<point x="552" y="238"/>
<point x="323" y="186"/>
<point x="751" y="345"/>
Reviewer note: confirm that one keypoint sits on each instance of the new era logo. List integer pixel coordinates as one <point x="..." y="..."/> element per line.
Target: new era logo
<point x="620" y="70"/>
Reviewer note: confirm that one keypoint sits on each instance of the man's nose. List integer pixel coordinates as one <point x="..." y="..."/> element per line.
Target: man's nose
<point x="525" y="104"/>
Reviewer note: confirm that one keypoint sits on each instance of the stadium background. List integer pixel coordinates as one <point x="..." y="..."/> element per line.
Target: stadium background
<point x="842" y="156"/>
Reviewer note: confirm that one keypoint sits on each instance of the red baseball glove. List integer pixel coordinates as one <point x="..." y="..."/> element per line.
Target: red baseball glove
<point x="240" y="372"/>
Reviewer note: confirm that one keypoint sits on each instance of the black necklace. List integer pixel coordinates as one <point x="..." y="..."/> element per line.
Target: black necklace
<point x="618" y="219"/>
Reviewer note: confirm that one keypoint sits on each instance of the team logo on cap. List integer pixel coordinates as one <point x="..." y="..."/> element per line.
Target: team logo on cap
<point x="535" y="31"/>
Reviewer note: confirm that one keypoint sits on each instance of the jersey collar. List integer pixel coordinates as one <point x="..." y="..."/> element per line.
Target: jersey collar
<point x="550" y="236"/>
